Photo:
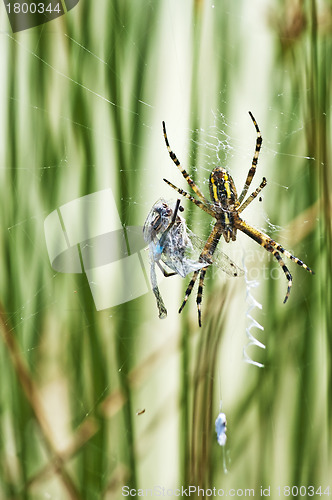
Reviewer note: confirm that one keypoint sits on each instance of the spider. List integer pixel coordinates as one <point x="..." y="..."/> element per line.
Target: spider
<point x="226" y="206"/>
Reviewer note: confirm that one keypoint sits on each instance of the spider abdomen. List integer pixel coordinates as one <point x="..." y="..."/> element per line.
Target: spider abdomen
<point x="222" y="188"/>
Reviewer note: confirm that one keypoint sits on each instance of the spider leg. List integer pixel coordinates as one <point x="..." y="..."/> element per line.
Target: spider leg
<point x="273" y="247"/>
<point x="264" y="240"/>
<point x="281" y="249"/>
<point x="252" y="170"/>
<point x="252" y="196"/>
<point x="185" y="174"/>
<point x="175" y="213"/>
<point x="191" y="198"/>
<point x="276" y="254"/>
<point x="189" y="289"/>
<point x="200" y="294"/>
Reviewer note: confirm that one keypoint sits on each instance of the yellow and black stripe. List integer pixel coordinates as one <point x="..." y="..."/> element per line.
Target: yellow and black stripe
<point x="274" y="248"/>
<point x="201" y="205"/>
<point x="200" y="294"/>
<point x="252" y="170"/>
<point x="222" y="188"/>
<point x="189" y="289"/>
<point x="252" y="196"/>
<point x="276" y="254"/>
<point x="185" y="174"/>
<point x="206" y="256"/>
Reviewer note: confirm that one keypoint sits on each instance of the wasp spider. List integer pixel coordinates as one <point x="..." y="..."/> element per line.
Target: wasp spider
<point x="226" y="206"/>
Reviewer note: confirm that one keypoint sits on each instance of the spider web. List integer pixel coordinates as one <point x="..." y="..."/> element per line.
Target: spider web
<point x="219" y="146"/>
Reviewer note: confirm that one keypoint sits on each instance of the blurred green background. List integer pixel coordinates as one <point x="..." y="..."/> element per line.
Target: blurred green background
<point x="82" y="101"/>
